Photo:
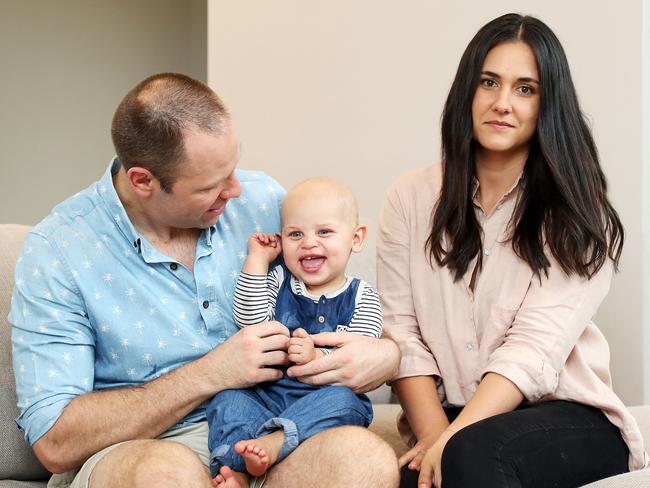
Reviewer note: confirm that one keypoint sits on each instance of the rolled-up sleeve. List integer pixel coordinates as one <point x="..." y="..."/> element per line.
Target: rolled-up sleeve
<point x="53" y="344"/>
<point x="546" y="327"/>
<point x="395" y="287"/>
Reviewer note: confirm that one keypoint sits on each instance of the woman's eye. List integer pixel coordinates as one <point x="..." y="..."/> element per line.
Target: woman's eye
<point x="488" y="82"/>
<point x="526" y="89"/>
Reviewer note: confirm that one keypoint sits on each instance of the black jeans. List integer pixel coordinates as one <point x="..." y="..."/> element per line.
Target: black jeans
<point x="552" y="444"/>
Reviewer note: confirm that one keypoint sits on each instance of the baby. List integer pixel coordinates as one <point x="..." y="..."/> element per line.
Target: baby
<point x="252" y="429"/>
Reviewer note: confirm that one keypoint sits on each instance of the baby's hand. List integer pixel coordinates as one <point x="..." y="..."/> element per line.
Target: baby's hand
<point x="301" y="347"/>
<point x="267" y="246"/>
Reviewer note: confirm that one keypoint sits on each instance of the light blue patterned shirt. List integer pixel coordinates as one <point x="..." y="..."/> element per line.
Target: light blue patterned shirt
<point x="96" y="306"/>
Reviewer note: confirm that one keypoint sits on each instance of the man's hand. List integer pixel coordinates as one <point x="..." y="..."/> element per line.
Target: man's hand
<point x="361" y="363"/>
<point x="264" y="246"/>
<point x="98" y="419"/>
<point x="246" y="358"/>
<point x="301" y="347"/>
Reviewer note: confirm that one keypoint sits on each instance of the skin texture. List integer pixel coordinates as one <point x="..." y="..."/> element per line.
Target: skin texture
<point x="504" y="115"/>
<point x="508" y="93"/>
<point x="334" y="455"/>
<point x="319" y="220"/>
<point x="205" y="183"/>
<point x="172" y="223"/>
<point x="425" y="415"/>
<point x="259" y="455"/>
<point x="150" y="463"/>
<point x="98" y="419"/>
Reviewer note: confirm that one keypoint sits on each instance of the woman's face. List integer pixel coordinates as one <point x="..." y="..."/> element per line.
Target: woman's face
<point x="506" y="102"/>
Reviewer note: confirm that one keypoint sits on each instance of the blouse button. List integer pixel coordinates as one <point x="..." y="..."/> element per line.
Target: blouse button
<point x="173" y="266"/>
<point x="206" y="304"/>
<point x="486" y="252"/>
<point x="321" y="319"/>
<point x="469" y="346"/>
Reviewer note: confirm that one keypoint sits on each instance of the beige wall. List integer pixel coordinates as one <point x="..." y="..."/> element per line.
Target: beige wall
<point x="65" y="66"/>
<point x="355" y="90"/>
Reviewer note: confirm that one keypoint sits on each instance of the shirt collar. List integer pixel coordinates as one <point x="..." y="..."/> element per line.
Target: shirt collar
<point x="520" y="181"/>
<point x="299" y="288"/>
<point x="106" y="190"/>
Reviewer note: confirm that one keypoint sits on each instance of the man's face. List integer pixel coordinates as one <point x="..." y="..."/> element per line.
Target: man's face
<point x="204" y="184"/>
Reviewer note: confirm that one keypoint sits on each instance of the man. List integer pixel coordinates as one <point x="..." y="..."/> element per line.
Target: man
<point x="121" y="313"/>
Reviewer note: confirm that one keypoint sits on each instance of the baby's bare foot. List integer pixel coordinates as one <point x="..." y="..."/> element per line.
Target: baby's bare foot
<point x="260" y="454"/>
<point x="227" y="478"/>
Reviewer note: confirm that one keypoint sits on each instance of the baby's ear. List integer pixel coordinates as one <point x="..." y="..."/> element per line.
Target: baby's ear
<point x="359" y="236"/>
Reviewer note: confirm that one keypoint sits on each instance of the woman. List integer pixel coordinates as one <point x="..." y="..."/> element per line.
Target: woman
<point x="491" y="266"/>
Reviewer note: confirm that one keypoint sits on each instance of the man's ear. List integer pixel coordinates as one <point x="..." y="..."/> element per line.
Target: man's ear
<point x="358" y="237"/>
<point x="142" y="181"/>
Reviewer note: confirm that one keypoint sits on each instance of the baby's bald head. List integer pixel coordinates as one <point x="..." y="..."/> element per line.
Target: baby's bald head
<point x="326" y="190"/>
<point x="320" y="231"/>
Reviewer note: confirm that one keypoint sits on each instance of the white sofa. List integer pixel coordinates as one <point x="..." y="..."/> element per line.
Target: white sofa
<point x="20" y="469"/>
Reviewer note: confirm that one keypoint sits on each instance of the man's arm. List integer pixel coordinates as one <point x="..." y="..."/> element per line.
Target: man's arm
<point x="360" y="363"/>
<point x="95" y="420"/>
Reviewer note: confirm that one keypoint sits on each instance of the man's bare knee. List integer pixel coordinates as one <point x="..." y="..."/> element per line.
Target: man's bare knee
<point x="379" y="467"/>
<point x="146" y="463"/>
<point x="341" y="457"/>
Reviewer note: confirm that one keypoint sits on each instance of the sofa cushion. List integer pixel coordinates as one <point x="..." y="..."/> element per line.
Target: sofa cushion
<point x="22" y="484"/>
<point x="17" y="460"/>
<point x="384" y="424"/>
<point x="636" y="479"/>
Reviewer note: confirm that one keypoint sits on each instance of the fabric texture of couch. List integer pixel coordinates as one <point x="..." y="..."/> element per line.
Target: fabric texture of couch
<point x="19" y="468"/>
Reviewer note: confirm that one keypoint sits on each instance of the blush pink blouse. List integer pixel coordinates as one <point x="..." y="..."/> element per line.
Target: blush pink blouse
<point x="538" y="334"/>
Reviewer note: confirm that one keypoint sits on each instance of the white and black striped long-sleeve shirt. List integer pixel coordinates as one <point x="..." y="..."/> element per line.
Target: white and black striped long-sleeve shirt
<point x="256" y="295"/>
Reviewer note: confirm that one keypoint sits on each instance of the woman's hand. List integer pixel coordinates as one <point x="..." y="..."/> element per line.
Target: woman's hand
<point x="415" y="455"/>
<point x="430" y="467"/>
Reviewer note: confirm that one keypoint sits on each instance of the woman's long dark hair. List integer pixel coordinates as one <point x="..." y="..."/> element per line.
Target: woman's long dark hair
<point x="563" y="203"/>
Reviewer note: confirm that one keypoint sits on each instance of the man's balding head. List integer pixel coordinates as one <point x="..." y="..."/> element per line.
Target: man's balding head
<point x="150" y="122"/>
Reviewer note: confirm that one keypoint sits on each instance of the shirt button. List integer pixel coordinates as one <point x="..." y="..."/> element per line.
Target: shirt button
<point x="173" y="266"/>
<point x="321" y="319"/>
<point x="206" y="304"/>
<point x="469" y="346"/>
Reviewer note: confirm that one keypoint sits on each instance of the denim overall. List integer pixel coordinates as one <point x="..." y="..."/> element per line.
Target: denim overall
<point x="301" y="410"/>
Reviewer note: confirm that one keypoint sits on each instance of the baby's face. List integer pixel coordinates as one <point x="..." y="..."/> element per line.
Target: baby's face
<point x="318" y="237"/>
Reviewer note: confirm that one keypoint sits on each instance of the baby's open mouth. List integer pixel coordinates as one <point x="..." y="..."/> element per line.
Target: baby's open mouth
<point x="311" y="264"/>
